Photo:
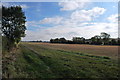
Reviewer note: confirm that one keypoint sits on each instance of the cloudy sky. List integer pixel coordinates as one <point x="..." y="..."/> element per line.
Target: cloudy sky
<point x="46" y="20"/>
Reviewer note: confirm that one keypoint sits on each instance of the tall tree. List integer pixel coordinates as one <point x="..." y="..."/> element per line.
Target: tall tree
<point x="96" y="40"/>
<point x="105" y="38"/>
<point x="13" y="24"/>
<point x="62" y="40"/>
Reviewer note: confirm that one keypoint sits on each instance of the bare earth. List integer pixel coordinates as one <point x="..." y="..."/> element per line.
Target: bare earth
<point x="99" y="50"/>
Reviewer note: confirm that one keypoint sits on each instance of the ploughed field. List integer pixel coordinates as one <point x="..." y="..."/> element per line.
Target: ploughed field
<point x="47" y="60"/>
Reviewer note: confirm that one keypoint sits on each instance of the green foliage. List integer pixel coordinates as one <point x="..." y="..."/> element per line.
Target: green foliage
<point x="80" y="40"/>
<point x="61" y="40"/>
<point x="96" y="40"/>
<point x="13" y="24"/>
<point x="103" y="39"/>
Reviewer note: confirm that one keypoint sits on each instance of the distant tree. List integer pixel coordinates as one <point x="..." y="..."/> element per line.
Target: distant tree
<point x="79" y="40"/>
<point x="51" y="40"/>
<point x="82" y="40"/>
<point x="40" y="41"/>
<point x="13" y="24"/>
<point x="113" y="42"/>
<point x="69" y="42"/>
<point x="62" y="40"/>
<point x="96" y="40"/>
<point x="118" y="41"/>
<point x="56" y="40"/>
<point x="105" y="38"/>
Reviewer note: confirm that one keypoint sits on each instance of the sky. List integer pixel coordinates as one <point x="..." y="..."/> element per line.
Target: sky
<point x="46" y="20"/>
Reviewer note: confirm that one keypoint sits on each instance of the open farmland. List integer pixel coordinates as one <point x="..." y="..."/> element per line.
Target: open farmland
<point x="45" y="60"/>
<point x="98" y="50"/>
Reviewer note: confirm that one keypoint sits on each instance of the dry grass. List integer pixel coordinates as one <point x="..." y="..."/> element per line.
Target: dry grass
<point x="99" y="50"/>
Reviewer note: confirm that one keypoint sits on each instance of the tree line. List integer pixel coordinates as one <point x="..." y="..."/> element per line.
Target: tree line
<point x="102" y="39"/>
